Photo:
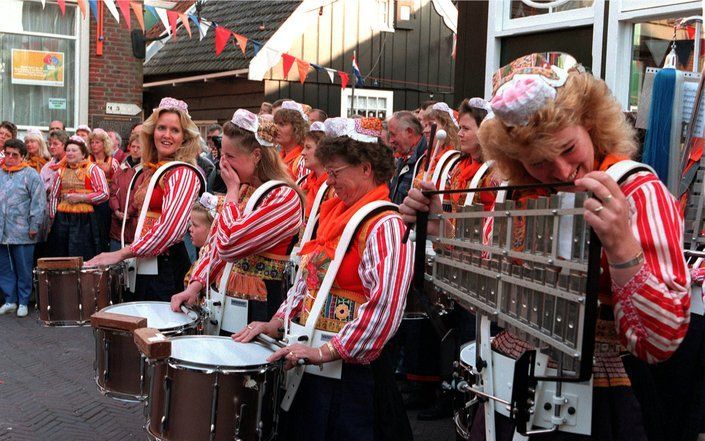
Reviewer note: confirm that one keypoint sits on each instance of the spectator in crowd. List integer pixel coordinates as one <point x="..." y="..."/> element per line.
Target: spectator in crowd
<point x="101" y="148"/>
<point x="317" y="115"/>
<point x="37" y="152"/>
<point x="84" y="132"/>
<point x="118" y="196"/>
<point x="56" y="125"/>
<point x="291" y="128"/>
<point x="407" y="141"/>
<point x="265" y="108"/>
<point x="211" y="131"/>
<point x="118" y="153"/>
<point x="277" y="105"/>
<point x="8" y="130"/>
<point x="57" y="144"/>
<point x="137" y="128"/>
<point x="22" y="202"/>
<point x="80" y="186"/>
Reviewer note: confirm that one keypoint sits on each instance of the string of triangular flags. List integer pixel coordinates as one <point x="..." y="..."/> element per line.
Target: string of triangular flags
<point x="170" y="19"/>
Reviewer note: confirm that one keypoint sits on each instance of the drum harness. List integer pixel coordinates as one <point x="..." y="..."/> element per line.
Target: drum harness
<point x="520" y="382"/>
<point x="149" y="265"/>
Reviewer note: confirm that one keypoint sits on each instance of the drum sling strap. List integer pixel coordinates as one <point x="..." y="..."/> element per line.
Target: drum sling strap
<point x="443" y="167"/>
<point x="306" y="335"/>
<point x="149" y="265"/>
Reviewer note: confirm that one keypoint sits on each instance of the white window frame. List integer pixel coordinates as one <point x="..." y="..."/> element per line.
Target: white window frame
<point x="378" y="24"/>
<point x="500" y="25"/>
<point x="620" y="32"/>
<point x="82" y="51"/>
<point x="369" y="93"/>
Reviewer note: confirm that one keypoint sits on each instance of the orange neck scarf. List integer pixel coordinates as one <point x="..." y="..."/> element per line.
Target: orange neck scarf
<point x="14" y="168"/>
<point x="152" y="166"/>
<point x="335" y="215"/>
<point x="461" y="176"/>
<point x="290" y="157"/>
<point x="610" y="160"/>
<point x="310" y="186"/>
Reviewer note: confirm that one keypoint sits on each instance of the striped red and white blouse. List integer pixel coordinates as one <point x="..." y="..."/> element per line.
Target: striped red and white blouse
<point x="180" y="188"/>
<point x="98" y="182"/>
<point x="275" y="221"/>
<point x="386" y="270"/>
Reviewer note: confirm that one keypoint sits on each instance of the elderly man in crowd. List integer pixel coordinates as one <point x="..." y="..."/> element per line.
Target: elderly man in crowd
<point x="56" y="125"/>
<point x="407" y="141"/>
<point x="22" y="204"/>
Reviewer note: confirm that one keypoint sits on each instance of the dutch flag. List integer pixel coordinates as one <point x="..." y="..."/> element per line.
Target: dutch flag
<point x="359" y="81"/>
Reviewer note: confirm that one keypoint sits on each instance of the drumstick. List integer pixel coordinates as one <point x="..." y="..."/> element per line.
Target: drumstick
<point x="439" y="139"/>
<point x="267" y="340"/>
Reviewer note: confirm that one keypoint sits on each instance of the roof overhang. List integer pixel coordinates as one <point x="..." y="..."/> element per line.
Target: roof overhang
<point x="204" y="78"/>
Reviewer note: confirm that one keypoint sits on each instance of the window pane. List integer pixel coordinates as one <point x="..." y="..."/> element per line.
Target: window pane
<point x="651" y="44"/>
<point x="48" y="20"/>
<point x="35" y="92"/>
<point x="521" y="9"/>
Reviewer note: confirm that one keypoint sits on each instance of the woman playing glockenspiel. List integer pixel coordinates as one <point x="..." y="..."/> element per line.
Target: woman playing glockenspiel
<point x="570" y="128"/>
<point x="257" y="243"/>
<point x="167" y="135"/>
<point x="365" y="304"/>
<point x="78" y="188"/>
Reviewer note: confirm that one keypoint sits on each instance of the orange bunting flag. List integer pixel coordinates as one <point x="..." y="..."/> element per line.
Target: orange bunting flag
<point x="343" y="79"/>
<point x="303" y="67"/>
<point x="172" y="16"/>
<point x="184" y="21"/>
<point x="82" y="7"/>
<point x="137" y="7"/>
<point x="241" y="41"/>
<point x="124" y="6"/>
<point x="288" y="61"/>
<point x="222" y="35"/>
<point x="62" y="6"/>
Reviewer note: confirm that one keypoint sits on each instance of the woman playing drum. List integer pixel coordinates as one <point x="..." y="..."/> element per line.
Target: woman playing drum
<point x="366" y="301"/>
<point x="569" y="127"/>
<point x="257" y="243"/>
<point x="168" y="135"/>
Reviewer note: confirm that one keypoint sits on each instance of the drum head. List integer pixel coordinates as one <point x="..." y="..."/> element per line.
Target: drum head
<point x="158" y="314"/>
<point x="467" y="354"/>
<point x="223" y="352"/>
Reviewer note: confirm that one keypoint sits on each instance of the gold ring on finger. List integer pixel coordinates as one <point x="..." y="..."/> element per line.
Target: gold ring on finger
<point x="598" y="209"/>
<point x="250" y="327"/>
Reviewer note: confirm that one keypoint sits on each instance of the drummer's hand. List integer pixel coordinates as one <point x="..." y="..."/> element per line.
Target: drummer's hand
<point x="249" y="332"/>
<point x="415" y="201"/>
<point x="292" y="354"/>
<point x="106" y="259"/>
<point x="184" y="297"/>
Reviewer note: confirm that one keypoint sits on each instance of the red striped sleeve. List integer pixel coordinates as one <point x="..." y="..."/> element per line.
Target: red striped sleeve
<point x="181" y="186"/>
<point x="652" y="309"/>
<point x="277" y="219"/>
<point x="386" y="271"/>
<point x="101" y="192"/>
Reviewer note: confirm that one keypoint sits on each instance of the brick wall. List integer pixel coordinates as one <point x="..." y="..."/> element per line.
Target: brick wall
<point x="116" y="76"/>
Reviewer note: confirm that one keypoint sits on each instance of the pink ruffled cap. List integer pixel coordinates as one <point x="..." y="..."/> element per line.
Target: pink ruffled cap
<point x="173" y="104"/>
<point x="523" y="96"/>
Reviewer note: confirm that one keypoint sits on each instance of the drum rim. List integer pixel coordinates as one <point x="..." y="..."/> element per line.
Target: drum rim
<point x="79" y="270"/>
<point x="178" y="363"/>
<point x="192" y="324"/>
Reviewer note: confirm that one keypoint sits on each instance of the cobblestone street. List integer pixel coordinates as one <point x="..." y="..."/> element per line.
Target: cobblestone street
<point x="47" y="391"/>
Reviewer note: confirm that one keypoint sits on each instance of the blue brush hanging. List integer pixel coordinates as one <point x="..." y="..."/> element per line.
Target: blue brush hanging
<point x="658" y="136"/>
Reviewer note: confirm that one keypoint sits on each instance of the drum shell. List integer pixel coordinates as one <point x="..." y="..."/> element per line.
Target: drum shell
<point x="61" y="291"/>
<point x="191" y="399"/>
<point x="126" y="366"/>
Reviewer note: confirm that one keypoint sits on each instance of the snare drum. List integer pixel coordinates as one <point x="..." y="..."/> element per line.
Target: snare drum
<point x="214" y="388"/>
<point x="69" y="296"/>
<point x="120" y="370"/>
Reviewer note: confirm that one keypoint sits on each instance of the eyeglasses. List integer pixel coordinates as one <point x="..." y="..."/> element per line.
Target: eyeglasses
<point x="334" y="173"/>
<point x="12" y="155"/>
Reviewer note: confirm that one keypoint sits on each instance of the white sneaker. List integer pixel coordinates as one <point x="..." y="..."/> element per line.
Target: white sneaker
<point x="22" y="311"/>
<point x="8" y="308"/>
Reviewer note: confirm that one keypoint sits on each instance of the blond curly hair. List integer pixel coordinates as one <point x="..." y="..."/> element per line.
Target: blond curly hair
<point x="585" y="101"/>
<point x="190" y="147"/>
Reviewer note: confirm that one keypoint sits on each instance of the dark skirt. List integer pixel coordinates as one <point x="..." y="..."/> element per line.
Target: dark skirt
<point x="672" y="393"/>
<point x="74" y="235"/>
<point x="616" y="416"/>
<point x="364" y="405"/>
<point x="172" y="268"/>
<point x="264" y="311"/>
<point x="104" y="218"/>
